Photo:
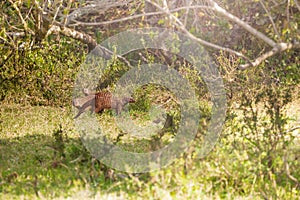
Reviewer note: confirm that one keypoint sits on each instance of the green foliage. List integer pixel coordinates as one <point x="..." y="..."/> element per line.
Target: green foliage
<point x="142" y="103"/>
<point x="43" y="76"/>
<point x="58" y="144"/>
<point x="259" y="122"/>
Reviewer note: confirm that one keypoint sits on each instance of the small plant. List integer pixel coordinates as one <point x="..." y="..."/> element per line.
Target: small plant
<point x="59" y="144"/>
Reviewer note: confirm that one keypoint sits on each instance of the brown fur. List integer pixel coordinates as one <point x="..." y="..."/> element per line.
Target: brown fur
<point x="103" y="100"/>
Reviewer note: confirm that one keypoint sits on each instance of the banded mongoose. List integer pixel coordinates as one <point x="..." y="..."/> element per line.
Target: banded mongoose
<point x="103" y="100"/>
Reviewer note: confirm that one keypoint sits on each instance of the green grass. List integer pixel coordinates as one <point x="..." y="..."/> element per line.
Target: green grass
<point x="41" y="156"/>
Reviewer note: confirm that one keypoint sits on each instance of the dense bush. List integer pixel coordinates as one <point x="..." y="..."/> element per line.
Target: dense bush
<point x="260" y="122"/>
<point x="41" y="76"/>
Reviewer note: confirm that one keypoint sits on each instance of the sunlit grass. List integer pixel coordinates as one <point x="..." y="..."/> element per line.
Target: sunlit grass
<point x="32" y="165"/>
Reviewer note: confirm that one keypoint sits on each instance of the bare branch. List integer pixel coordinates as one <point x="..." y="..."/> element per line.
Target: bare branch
<point x="288" y="12"/>
<point x="116" y="20"/>
<point x="277" y="47"/>
<point x="287" y="170"/>
<point x="21" y="17"/>
<point x="271" y="19"/>
<point x="187" y="13"/>
<point x="48" y="25"/>
<point x="280" y="47"/>
<point x="135" y="16"/>
<point x="85" y="38"/>
<point x="57" y="10"/>
<point x="95" y="6"/>
<point x="297" y="4"/>
<point x="191" y="36"/>
<point x="243" y="24"/>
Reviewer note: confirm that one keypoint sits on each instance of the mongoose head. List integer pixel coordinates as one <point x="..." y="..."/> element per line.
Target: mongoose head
<point x="76" y="103"/>
<point x="124" y="100"/>
<point x="131" y="100"/>
<point x="87" y="92"/>
<point x="128" y="100"/>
